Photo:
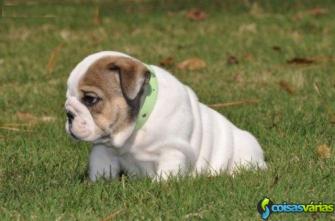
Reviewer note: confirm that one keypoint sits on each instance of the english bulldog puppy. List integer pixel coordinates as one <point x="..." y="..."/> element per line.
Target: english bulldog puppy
<point x="143" y="121"/>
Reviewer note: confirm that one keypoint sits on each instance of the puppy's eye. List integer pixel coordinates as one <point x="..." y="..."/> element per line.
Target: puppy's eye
<point x="90" y="100"/>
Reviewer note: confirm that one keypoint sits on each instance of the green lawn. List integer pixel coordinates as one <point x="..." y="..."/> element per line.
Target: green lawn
<point x="247" y="48"/>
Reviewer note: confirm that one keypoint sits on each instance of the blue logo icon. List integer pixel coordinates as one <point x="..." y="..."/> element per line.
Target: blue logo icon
<point x="264" y="208"/>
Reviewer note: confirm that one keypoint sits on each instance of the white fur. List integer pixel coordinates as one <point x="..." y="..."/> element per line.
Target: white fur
<point x="181" y="135"/>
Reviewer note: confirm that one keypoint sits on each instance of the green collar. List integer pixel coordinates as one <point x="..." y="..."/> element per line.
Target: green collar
<point x="150" y="98"/>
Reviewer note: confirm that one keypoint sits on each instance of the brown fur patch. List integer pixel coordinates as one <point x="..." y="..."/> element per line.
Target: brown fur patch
<point x="119" y="82"/>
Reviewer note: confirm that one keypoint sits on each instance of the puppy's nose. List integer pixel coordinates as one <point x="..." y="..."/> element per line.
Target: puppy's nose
<point x="70" y="116"/>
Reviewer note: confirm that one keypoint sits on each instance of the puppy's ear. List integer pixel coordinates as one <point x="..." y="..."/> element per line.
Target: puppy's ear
<point x="133" y="77"/>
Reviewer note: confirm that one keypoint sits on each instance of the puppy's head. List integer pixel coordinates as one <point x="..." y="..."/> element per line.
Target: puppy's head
<point x="104" y="96"/>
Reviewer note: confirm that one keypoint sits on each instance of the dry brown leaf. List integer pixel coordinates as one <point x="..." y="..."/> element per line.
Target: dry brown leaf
<point x="166" y="62"/>
<point x="171" y="13"/>
<point x="15" y="124"/>
<point x="248" y="56"/>
<point x="196" y="14"/>
<point x="32" y="119"/>
<point x="298" y="60"/>
<point x="48" y="118"/>
<point x="65" y="34"/>
<point x="96" y="17"/>
<point x="323" y="151"/>
<point x="332" y="119"/>
<point x="298" y="80"/>
<point x="192" y="64"/>
<point x="26" y="117"/>
<point x="298" y="16"/>
<point x="317" y="11"/>
<point x="234" y="103"/>
<point x="53" y="57"/>
<point x="286" y="86"/>
<point x="256" y="10"/>
<point x="296" y="36"/>
<point x="321" y="59"/>
<point x="317" y="88"/>
<point x="238" y="78"/>
<point x="113" y="215"/>
<point x="232" y="60"/>
<point x="251" y="28"/>
<point x="96" y="38"/>
<point x="276" y="48"/>
<point x="275" y="180"/>
<point x="14" y="129"/>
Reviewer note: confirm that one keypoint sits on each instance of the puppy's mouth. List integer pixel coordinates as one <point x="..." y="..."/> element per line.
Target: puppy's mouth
<point x="72" y="134"/>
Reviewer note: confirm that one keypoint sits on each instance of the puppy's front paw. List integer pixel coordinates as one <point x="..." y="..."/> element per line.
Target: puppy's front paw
<point x="103" y="164"/>
<point x="105" y="173"/>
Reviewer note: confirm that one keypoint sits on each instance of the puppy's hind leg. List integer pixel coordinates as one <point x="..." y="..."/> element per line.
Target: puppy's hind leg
<point x="177" y="160"/>
<point x="247" y="152"/>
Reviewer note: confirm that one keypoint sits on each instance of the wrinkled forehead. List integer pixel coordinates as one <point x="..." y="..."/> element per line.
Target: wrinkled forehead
<point x="79" y="71"/>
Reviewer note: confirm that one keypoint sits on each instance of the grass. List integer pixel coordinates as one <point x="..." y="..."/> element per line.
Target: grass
<point x="43" y="171"/>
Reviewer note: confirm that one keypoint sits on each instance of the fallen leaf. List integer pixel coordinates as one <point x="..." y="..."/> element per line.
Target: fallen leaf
<point x="323" y="151"/>
<point x="275" y="181"/>
<point x="295" y="158"/>
<point x="233" y="103"/>
<point x="320" y="59"/>
<point x="53" y="57"/>
<point x="276" y="48"/>
<point x="315" y="216"/>
<point x="15" y="124"/>
<point x="256" y="10"/>
<point x="192" y="64"/>
<point x="248" y="56"/>
<point x="14" y="129"/>
<point x="298" y="16"/>
<point x="166" y="62"/>
<point x="286" y="86"/>
<point x="238" y="78"/>
<point x="298" y="60"/>
<point x="26" y="117"/>
<point x="171" y="13"/>
<point x="232" y="60"/>
<point x="32" y="119"/>
<point x="96" y="38"/>
<point x="296" y="36"/>
<point x="317" y="88"/>
<point x="196" y="14"/>
<point x="332" y="119"/>
<point x="65" y="34"/>
<point x="317" y="11"/>
<point x="96" y="16"/>
<point x="48" y="118"/>
<point x="298" y="80"/>
<point x="113" y="215"/>
<point x="251" y="28"/>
